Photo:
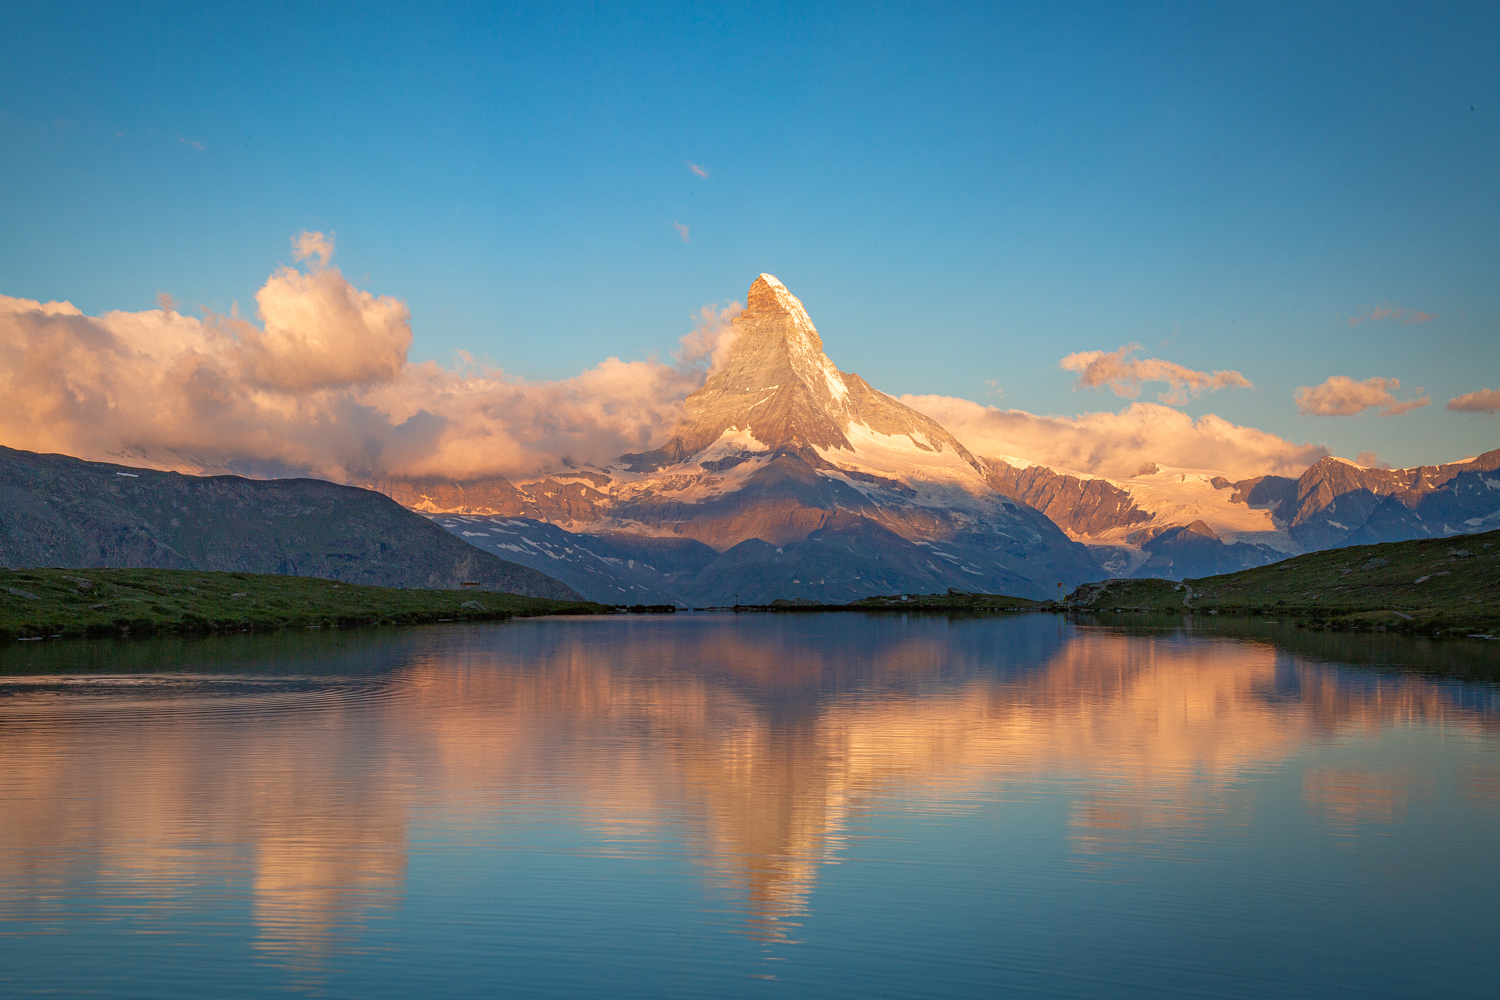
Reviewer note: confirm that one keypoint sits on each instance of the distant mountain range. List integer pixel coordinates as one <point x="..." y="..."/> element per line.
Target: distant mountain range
<point x="60" y="511"/>
<point x="786" y="479"/>
<point x="1178" y="523"/>
<point x="797" y="480"/>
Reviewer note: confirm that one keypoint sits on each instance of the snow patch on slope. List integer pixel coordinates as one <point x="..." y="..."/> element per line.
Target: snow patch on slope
<point x="938" y="477"/>
<point x="1182" y="496"/>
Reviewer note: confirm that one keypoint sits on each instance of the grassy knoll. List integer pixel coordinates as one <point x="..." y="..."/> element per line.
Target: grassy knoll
<point x="98" y="602"/>
<point x="1429" y="585"/>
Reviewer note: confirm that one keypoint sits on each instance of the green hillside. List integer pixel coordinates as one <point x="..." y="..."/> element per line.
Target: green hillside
<point x="1429" y="585"/>
<point x="98" y="602"/>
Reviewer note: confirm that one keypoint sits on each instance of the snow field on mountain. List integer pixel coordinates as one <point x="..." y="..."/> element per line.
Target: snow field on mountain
<point x="1182" y="496"/>
<point x="940" y="477"/>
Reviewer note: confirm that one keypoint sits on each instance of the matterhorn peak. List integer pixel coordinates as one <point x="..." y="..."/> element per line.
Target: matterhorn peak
<point x="779" y="388"/>
<point x="775" y="317"/>
<point x="767" y="294"/>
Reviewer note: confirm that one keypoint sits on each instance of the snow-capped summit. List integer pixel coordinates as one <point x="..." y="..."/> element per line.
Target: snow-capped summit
<point x="778" y="390"/>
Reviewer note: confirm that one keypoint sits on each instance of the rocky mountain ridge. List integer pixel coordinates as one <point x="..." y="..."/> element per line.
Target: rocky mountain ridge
<point x="1132" y="524"/>
<point x="57" y="511"/>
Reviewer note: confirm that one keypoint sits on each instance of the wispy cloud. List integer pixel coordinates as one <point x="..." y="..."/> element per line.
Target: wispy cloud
<point x="1390" y="311"/>
<point x="711" y="339"/>
<point x="1371" y="460"/>
<point x="191" y="142"/>
<point x="682" y="231"/>
<point x="1479" y="401"/>
<point x="1124" y="374"/>
<point x="696" y="169"/>
<point x="308" y="244"/>
<point x="1341" y="396"/>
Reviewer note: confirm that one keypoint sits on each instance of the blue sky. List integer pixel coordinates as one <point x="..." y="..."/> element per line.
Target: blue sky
<point x="960" y="194"/>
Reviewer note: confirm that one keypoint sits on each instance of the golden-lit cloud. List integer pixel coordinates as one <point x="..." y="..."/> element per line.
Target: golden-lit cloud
<point x="320" y="385"/>
<point x="1118" y="444"/>
<point x="1341" y="396"/>
<point x="318" y="382"/>
<point x="191" y="142"/>
<point x="1478" y="401"/>
<point x="1390" y="311"/>
<point x="682" y="231"/>
<point x="1123" y="374"/>
<point x="711" y="338"/>
<point x="699" y="171"/>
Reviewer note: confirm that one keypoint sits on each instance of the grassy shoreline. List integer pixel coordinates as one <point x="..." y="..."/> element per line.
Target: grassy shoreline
<point x="70" y="603"/>
<point x="1430" y="586"/>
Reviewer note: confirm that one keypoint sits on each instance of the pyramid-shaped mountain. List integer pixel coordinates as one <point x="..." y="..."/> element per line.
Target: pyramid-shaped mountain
<point x="796" y="480"/>
<point x="778" y="388"/>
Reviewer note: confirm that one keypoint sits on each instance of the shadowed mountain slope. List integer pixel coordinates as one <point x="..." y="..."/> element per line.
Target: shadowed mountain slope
<point x="63" y="512"/>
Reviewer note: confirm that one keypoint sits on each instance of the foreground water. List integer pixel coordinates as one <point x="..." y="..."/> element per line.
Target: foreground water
<point x="752" y="805"/>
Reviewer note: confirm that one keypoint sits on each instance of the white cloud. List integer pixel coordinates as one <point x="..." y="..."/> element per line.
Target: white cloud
<point x="1124" y="374"/>
<point x="306" y="245"/>
<point x="1390" y="311"/>
<point x="1341" y="396"/>
<point x="1118" y="444"/>
<point x="711" y="338"/>
<point x="321" y="385"/>
<point x="1479" y="401"/>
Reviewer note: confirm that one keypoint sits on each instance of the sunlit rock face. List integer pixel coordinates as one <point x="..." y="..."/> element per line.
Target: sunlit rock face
<point x="780" y="389"/>
<point x="808" y="483"/>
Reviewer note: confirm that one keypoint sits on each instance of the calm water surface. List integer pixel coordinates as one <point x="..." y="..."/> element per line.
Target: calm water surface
<point x="753" y="805"/>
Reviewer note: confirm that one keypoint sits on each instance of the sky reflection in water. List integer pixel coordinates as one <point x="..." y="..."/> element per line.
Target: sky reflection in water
<point x="750" y="805"/>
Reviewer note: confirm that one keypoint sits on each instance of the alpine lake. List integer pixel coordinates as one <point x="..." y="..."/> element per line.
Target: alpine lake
<point x="753" y="805"/>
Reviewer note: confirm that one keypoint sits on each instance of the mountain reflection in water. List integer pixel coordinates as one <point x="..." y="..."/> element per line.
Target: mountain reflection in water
<point x="304" y="779"/>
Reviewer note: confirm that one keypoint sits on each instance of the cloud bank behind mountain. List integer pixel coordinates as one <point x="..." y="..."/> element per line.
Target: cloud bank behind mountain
<point x="320" y="384"/>
<point x="1115" y="445"/>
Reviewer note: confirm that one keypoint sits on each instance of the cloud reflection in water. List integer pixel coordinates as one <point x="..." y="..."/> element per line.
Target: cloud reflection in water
<point x="758" y="744"/>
